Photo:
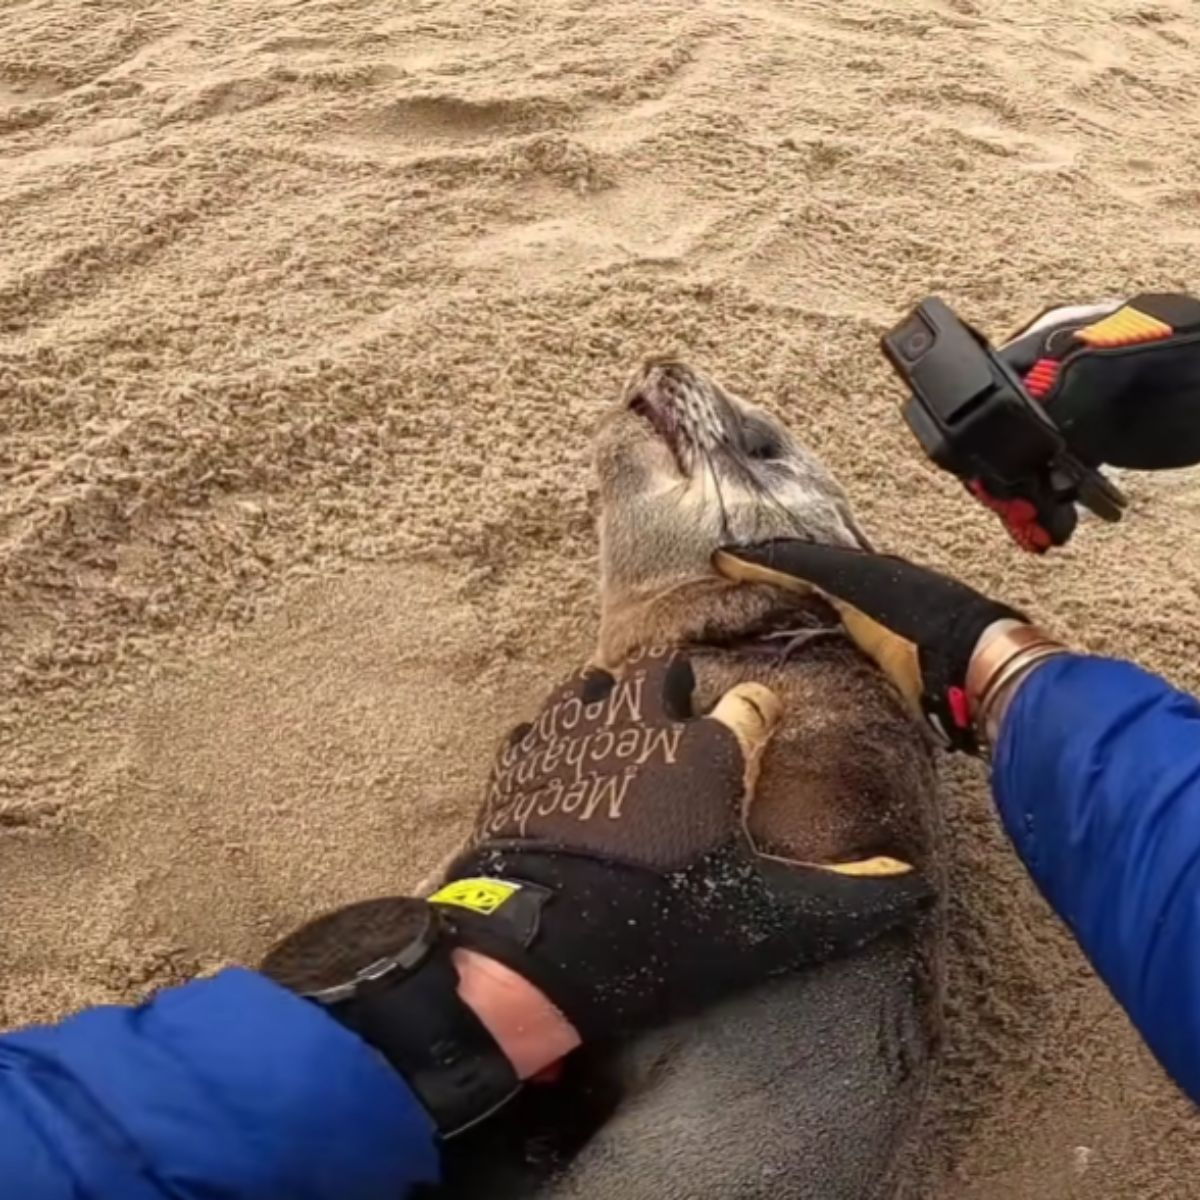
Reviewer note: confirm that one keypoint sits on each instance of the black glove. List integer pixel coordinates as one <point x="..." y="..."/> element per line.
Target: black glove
<point x="919" y="626"/>
<point x="1121" y="381"/>
<point x="611" y="865"/>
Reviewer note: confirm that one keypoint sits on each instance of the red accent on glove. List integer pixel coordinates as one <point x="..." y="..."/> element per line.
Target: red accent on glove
<point x="1041" y="376"/>
<point x="1020" y="519"/>
<point x="960" y="709"/>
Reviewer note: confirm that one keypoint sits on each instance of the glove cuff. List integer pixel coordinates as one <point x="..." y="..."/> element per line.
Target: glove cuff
<point x="945" y="668"/>
<point x="383" y="969"/>
<point x="436" y="1043"/>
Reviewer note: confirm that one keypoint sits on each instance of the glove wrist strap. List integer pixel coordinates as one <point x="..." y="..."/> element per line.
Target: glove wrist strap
<point x="436" y="1043"/>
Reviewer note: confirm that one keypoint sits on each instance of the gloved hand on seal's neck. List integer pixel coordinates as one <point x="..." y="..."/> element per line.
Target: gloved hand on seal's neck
<point x="1121" y="381"/>
<point x="953" y="653"/>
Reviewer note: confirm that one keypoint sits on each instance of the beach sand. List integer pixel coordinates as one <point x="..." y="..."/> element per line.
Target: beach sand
<point x="306" y="313"/>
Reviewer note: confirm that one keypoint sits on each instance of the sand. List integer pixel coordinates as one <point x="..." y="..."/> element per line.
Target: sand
<point x="306" y="311"/>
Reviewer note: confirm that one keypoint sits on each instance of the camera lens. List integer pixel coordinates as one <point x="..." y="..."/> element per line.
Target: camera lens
<point x="916" y="343"/>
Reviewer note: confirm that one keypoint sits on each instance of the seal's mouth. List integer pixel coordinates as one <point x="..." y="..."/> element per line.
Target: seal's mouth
<point x="662" y="419"/>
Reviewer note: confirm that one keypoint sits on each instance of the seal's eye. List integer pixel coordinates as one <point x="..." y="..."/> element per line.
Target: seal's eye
<point x="760" y="444"/>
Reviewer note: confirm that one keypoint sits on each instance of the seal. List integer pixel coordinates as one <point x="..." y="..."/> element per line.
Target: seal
<point x="809" y="1088"/>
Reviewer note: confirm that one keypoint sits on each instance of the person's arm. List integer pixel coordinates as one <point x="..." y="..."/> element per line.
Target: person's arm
<point x="227" y="1086"/>
<point x="610" y="886"/>
<point x="1097" y="777"/>
<point x="235" y="1086"/>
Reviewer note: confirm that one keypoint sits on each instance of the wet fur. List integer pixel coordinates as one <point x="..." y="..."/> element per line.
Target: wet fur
<point x="848" y="774"/>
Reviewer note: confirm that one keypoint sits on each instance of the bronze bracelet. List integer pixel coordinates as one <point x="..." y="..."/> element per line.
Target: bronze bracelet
<point x="1004" y="657"/>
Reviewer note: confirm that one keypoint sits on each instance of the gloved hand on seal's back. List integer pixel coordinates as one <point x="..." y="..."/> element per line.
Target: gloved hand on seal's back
<point x="618" y="819"/>
<point x="1121" y="381"/>
<point x="610" y="881"/>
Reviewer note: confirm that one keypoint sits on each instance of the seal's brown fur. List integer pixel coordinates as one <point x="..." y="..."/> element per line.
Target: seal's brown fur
<point x="847" y="774"/>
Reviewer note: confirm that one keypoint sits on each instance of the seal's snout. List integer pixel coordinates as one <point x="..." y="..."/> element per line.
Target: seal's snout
<point x="683" y="407"/>
<point x="657" y="413"/>
<point x="661" y="382"/>
<point x="641" y="406"/>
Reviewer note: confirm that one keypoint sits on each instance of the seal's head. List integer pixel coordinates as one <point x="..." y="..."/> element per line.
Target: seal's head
<point x="685" y="466"/>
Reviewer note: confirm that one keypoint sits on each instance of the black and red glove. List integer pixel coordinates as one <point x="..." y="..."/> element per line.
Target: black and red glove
<point x="920" y="626"/>
<point x="1121" y="381"/>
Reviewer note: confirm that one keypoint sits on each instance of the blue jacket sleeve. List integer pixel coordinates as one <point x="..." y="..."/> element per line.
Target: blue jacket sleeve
<point x="229" y="1086"/>
<point x="1097" y="778"/>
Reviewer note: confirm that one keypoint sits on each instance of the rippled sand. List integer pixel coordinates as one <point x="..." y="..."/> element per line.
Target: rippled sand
<point x="305" y="314"/>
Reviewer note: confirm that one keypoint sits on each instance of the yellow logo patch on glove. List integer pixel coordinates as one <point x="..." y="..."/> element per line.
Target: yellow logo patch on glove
<point x="483" y="896"/>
